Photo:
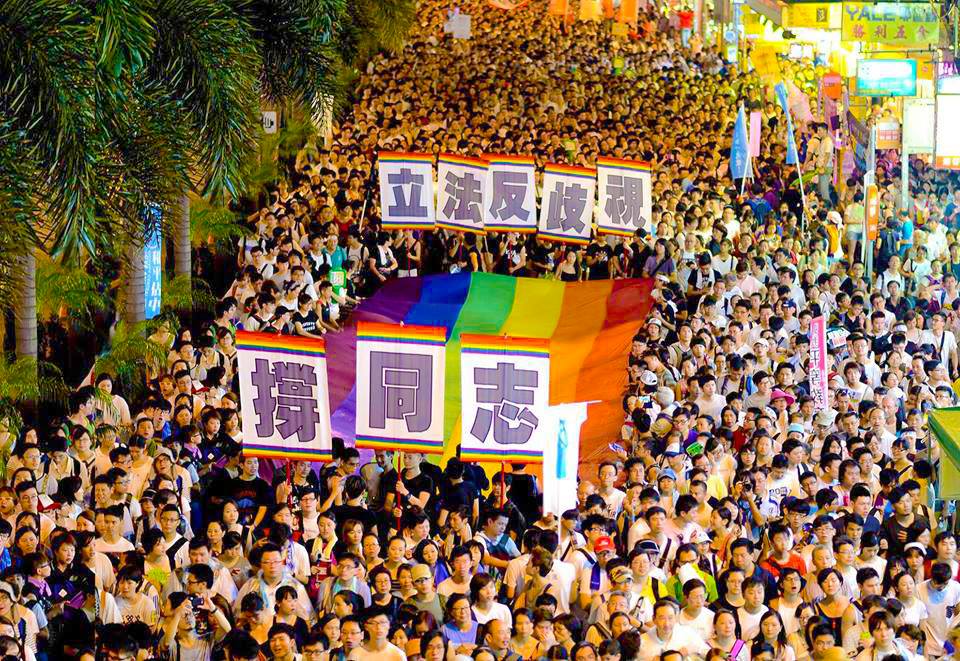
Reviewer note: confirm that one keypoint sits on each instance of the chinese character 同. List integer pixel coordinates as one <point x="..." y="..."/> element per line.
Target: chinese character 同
<point x="401" y="388"/>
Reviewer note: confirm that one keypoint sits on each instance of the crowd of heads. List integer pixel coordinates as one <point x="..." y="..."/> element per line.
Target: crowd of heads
<point x="752" y="507"/>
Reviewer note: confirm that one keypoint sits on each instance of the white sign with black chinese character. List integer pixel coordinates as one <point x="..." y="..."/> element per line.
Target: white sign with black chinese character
<point x="460" y="182"/>
<point x="284" y="398"/>
<point x="510" y="195"/>
<point x="400" y="387"/>
<point x="406" y="190"/>
<point x="625" y="204"/>
<point x="566" y="210"/>
<point x="505" y="394"/>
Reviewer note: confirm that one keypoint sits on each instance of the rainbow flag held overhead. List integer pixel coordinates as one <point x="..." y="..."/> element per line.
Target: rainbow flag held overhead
<point x="589" y="326"/>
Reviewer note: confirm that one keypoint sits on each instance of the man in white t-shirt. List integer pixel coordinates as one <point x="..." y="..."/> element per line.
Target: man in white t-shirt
<point x="666" y="635"/>
<point x="942" y="340"/>
<point x="940" y="594"/>
<point x="377" y="647"/>
<point x="110" y="541"/>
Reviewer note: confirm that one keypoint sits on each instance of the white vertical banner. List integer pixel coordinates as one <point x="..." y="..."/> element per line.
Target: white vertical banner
<point x="460" y="183"/>
<point x="561" y="456"/>
<point x="566" y="210"/>
<point x="510" y="194"/>
<point x="284" y="398"/>
<point x="400" y="387"/>
<point x="504" y="398"/>
<point x="406" y="190"/>
<point x="624" y="193"/>
<point x="817" y="369"/>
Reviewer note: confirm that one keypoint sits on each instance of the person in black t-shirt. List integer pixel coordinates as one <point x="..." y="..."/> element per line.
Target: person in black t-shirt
<point x="251" y="493"/>
<point x="306" y="321"/>
<point x="354" y="506"/>
<point x="598" y="256"/>
<point x="415" y="488"/>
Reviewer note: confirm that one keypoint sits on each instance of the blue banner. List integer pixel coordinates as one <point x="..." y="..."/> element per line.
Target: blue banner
<point x="740" y="149"/>
<point x="793" y="158"/>
<point x="152" y="263"/>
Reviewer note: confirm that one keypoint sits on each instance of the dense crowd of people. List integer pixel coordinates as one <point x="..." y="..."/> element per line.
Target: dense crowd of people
<point x="731" y="519"/>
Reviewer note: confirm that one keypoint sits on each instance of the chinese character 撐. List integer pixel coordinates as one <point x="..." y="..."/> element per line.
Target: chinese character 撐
<point x="286" y="400"/>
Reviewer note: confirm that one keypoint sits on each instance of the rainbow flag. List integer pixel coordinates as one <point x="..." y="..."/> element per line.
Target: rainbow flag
<point x="589" y="325"/>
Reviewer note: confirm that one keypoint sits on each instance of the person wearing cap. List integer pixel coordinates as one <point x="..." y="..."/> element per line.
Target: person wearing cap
<point x="593" y="580"/>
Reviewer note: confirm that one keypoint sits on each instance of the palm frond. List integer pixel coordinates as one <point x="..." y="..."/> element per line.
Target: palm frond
<point x="128" y="355"/>
<point x="29" y="380"/>
<point x="67" y="289"/>
<point x="181" y="294"/>
<point x="206" y="59"/>
<point x="214" y="224"/>
<point x="46" y="73"/>
<point x="19" y="172"/>
<point x="296" y="39"/>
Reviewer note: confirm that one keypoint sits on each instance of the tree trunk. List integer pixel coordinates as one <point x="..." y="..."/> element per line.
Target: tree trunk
<point x="25" y="306"/>
<point x="134" y="298"/>
<point x="181" y="239"/>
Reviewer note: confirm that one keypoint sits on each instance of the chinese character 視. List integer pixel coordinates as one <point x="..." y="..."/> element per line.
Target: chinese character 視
<point x="408" y="203"/>
<point x="465" y="198"/>
<point x="401" y="388"/>
<point x="507" y="389"/>
<point x="292" y="409"/>
<point x="566" y="207"/>
<point x="624" y="200"/>
<point x="509" y="191"/>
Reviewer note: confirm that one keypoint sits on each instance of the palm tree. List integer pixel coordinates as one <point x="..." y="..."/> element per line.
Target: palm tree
<point x="49" y="140"/>
<point x="116" y="107"/>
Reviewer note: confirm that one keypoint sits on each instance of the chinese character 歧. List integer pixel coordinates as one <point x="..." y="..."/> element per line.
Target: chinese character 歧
<point x="465" y="198"/>
<point x="292" y="409"/>
<point x="624" y="200"/>
<point x="566" y="207"/>
<point x="408" y="203"/>
<point x="509" y="190"/>
<point x="401" y="388"/>
<point x="507" y="389"/>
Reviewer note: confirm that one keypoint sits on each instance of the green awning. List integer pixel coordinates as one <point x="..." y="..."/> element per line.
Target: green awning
<point x="945" y="426"/>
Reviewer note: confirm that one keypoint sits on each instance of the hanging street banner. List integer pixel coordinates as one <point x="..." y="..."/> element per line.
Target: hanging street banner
<point x="406" y="190"/>
<point x="505" y="395"/>
<point x="946" y="154"/>
<point x="400" y="387"/>
<point x="903" y="24"/>
<point x="460" y="181"/>
<point x="510" y="194"/>
<point x="566" y="210"/>
<point x="625" y="200"/>
<point x="817" y="369"/>
<point x="284" y="397"/>
<point x="561" y="456"/>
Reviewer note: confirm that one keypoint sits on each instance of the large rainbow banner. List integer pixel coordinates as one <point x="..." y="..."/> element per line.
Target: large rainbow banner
<point x="589" y="326"/>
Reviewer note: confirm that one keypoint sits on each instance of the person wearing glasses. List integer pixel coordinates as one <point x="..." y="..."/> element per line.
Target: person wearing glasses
<point x="376" y="647"/>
